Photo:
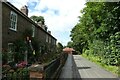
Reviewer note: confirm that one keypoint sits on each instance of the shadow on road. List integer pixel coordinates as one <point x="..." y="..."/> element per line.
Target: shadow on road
<point x="83" y="67"/>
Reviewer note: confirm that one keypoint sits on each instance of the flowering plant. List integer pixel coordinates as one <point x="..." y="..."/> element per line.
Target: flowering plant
<point x="21" y="64"/>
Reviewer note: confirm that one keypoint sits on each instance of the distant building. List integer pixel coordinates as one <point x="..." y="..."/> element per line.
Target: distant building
<point x="68" y="50"/>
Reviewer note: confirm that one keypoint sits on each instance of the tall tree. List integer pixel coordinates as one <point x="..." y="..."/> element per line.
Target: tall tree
<point x="70" y="44"/>
<point x="98" y="23"/>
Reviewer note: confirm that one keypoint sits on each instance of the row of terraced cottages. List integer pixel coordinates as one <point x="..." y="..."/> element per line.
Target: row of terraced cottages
<point x="16" y="23"/>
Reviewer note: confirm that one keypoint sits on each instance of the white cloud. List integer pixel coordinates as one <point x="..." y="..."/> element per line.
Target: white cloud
<point x="18" y="3"/>
<point x="61" y="23"/>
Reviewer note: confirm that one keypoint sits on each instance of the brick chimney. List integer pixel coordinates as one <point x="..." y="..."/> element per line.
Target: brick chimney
<point x="24" y="9"/>
<point x="39" y="23"/>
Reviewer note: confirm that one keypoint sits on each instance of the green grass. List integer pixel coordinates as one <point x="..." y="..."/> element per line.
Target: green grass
<point x="95" y="59"/>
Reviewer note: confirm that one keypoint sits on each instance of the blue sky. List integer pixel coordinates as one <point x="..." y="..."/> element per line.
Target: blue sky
<point x="60" y="15"/>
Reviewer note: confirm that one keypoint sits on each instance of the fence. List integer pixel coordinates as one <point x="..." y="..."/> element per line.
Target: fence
<point x="51" y="68"/>
<point x="54" y="68"/>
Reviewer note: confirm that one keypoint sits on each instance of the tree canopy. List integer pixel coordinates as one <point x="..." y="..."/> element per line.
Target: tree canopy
<point x="98" y="31"/>
<point x="38" y="19"/>
<point x="59" y="47"/>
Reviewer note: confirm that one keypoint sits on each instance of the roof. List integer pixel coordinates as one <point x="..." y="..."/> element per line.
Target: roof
<point x="26" y="17"/>
<point x="67" y="49"/>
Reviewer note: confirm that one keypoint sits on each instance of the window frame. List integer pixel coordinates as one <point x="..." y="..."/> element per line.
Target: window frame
<point x="10" y="52"/>
<point x="33" y="31"/>
<point x="13" y="21"/>
<point x="47" y="38"/>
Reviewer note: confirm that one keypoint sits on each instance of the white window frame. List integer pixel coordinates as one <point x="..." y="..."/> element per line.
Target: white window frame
<point x="46" y="38"/>
<point x="49" y="39"/>
<point x="13" y="21"/>
<point x="33" y="31"/>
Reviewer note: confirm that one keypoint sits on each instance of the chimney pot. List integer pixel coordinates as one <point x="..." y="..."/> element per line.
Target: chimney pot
<point x="49" y="32"/>
<point x="24" y="9"/>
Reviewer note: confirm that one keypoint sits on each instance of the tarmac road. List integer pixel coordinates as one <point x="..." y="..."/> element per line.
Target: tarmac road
<point x="79" y="68"/>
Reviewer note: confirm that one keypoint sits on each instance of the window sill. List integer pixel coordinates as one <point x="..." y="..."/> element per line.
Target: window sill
<point x="13" y="29"/>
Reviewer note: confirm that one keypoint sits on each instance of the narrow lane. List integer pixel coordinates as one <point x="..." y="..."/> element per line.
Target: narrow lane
<point x="79" y="68"/>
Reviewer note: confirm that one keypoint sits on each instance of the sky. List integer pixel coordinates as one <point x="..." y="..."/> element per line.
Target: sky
<point x="60" y="15"/>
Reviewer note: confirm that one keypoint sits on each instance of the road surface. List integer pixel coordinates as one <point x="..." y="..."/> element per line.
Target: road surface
<point x="79" y="68"/>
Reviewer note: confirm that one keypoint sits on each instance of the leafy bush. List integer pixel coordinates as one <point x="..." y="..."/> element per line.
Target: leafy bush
<point x="107" y="51"/>
<point x="19" y="74"/>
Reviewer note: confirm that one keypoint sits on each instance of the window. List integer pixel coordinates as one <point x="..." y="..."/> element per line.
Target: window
<point x="49" y="39"/>
<point x="54" y="42"/>
<point x="13" y="19"/>
<point x="33" y="31"/>
<point x="46" y="38"/>
<point x="10" y="50"/>
<point x="10" y="47"/>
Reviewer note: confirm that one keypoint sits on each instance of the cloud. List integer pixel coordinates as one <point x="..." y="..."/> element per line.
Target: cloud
<point x="60" y="15"/>
<point x="18" y="3"/>
<point x="32" y="5"/>
<point x="44" y="10"/>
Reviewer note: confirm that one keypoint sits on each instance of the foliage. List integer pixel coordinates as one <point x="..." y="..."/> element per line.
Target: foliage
<point x="59" y="47"/>
<point x="20" y="47"/>
<point x="98" y="32"/>
<point x="113" y="49"/>
<point x="70" y="44"/>
<point x="4" y="57"/>
<point x="38" y="19"/>
<point x="19" y="74"/>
